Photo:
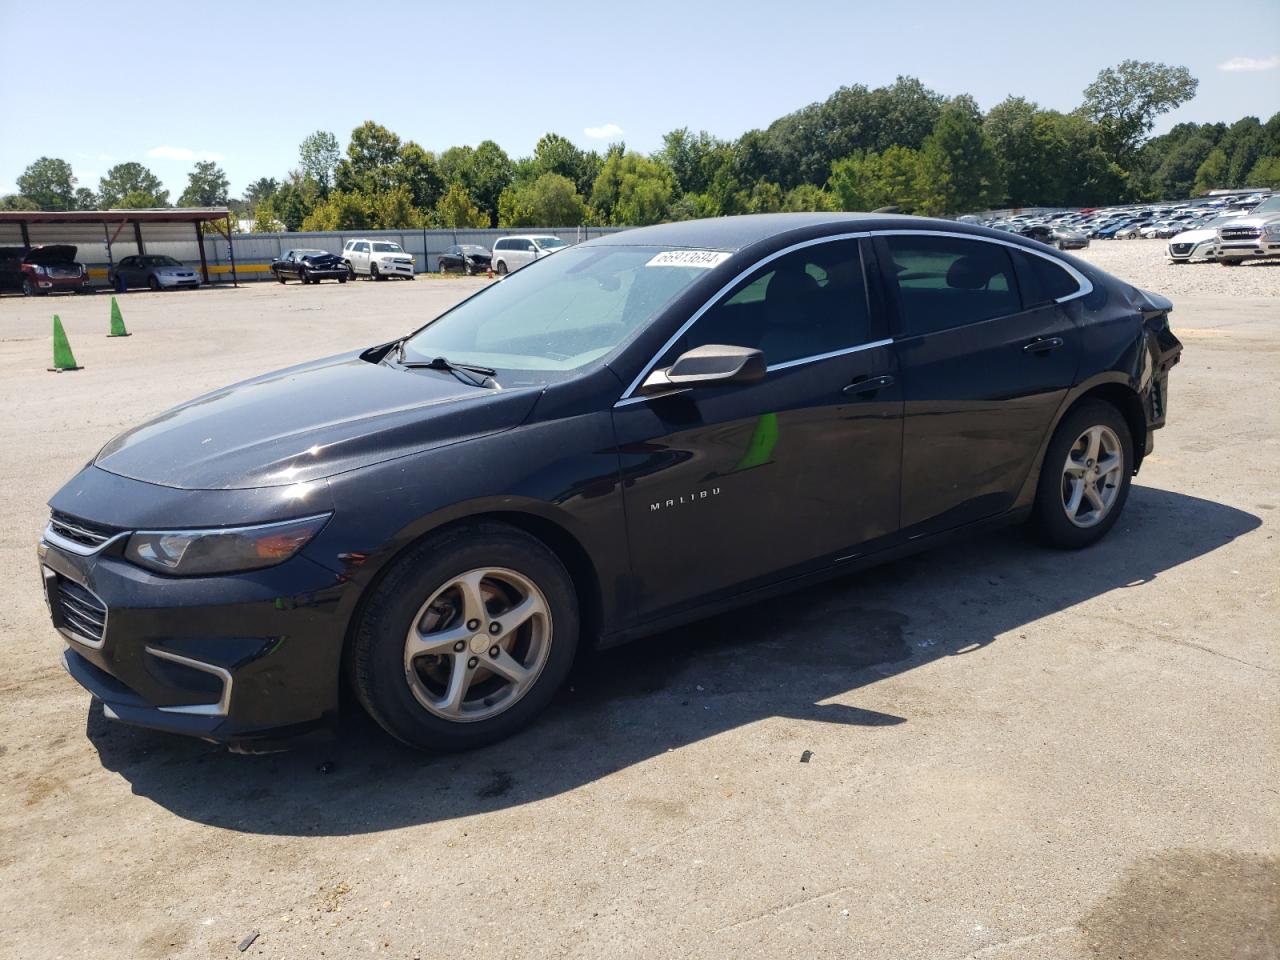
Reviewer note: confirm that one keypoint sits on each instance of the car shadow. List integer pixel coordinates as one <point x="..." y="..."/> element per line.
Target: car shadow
<point x="780" y="658"/>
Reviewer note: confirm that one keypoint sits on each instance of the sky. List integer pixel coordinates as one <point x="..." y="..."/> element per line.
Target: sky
<point x="233" y="82"/>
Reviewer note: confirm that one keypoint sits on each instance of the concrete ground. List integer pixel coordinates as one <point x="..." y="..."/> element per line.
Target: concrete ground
<point x="1016" y="754"/>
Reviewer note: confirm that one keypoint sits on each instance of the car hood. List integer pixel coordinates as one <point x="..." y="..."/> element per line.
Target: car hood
<point x="1195" y="236"/>
<point x="52" y="253"/>
<point x="321" y="258"/>
<point x="1259" y="221"/>
<point x="172" y="268"/>
<point x="309" y="422"/>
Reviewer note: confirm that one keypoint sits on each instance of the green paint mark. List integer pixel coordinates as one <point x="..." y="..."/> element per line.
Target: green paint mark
<point x="763" y="440"/>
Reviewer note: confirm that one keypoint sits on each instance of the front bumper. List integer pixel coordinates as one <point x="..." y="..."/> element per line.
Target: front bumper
<point x="47" y="284"/>
<point x="1182" y="252"/>
<point x="391" y="269"/>
<point x="1263" y="246"/>
<point x="232" y="658"/>
<point x="171" y="280"/>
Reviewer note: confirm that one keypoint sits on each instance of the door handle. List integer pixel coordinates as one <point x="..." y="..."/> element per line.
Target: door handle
<point x="1043" y="345"/>
<point x="865" y="386"/>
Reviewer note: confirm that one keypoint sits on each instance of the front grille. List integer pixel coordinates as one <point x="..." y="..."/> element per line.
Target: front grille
<point x="83" y="532"/>
<point x="78" y="610"/>
<point x="402" y="260"/>
<point x="1181" y="249"/>
<point x="1240" y="233"/>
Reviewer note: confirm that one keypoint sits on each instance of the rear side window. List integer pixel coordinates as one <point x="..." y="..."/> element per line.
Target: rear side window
<point x="946" y="282"/>
<point x="804" y="304"/>
<point x="500" y="245"/>
<point x="1043" y="280"/>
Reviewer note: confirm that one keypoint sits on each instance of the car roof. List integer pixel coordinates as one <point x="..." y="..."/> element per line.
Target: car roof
<point x="733" y="234"/>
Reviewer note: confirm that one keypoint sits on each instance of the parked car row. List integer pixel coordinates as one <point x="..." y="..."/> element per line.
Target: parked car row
<point x="1228" y="229"/>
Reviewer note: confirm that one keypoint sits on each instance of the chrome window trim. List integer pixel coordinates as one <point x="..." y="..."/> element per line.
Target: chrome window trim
<point x="218" y="709"/>
<point x="628" y="395"/>
<point x="1084" y="283"/>
<point x="55" y="539"/>
<point x="827" y="356"/>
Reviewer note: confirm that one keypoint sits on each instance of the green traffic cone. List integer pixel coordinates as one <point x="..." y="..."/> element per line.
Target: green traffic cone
<point x="63" y="358"/>
<point x="117" y="321"/>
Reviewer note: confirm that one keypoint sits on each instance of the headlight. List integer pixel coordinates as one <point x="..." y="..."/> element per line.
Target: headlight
<point x="190" y="553"/>
<point x="1272" y="229"/>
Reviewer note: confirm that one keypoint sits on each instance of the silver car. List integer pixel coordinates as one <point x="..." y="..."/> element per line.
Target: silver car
<point x="512" y="253"/>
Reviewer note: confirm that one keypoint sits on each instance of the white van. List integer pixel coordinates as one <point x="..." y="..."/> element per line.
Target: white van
<point x="512" y="253"/>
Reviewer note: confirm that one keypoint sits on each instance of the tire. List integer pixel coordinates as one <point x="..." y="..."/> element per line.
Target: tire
<point x="1230" y="263"/>
<point x="28" y="290"/>
<point x="280" y="277"/>
<point x="154" y="284"/>
<point x="501" y="268"/>
<point x="374" y="273"/>
<point x="1053" y="518"/>
<point x="120" y="286"/>
<point x="351" y="274"/>
<point x="342" y="279"/>
<point x="304" y="277"/>
<point x="395" y="688"/>
<point x="441" y="268"/>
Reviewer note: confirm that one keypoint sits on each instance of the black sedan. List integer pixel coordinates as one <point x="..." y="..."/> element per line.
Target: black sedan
<point x="640" y="431"/>
<point x="310" y="266"/>
<point x="464" y="258"/>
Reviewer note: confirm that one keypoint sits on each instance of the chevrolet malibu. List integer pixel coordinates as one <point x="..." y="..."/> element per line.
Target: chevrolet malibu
<point x="643" y="430"/>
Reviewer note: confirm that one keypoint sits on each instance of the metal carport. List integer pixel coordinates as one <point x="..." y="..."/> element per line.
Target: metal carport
<point x="104" y="227"/>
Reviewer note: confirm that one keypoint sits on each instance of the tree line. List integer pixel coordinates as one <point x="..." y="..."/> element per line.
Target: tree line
<point x="901" y="145"/>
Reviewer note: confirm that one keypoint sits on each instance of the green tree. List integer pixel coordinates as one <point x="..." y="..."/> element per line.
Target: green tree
<point x="557" y="154"/>
<point x="455" y="210"/>
<point x="808" y="198"/>
<point x="417" y="172"/>
<point x="632" y="190"/>
<point x="1010" y="125"/>
<point x="958" y="168"/>
<point x="765" y="197"/>
<point x="341" y="210"/>
<point x="1212" y="173"/>
<point x="1125" y="100"/>
<point x="265" y="219"/>
<point x="370" y="163"/>
<point x="318" y="155"/>
<point x="869" y="181"/>
<point x="132" y="186"/>
<point x="690" y="158"/>
<point x="394" y="209"/>
<point x="207" y="186"/>
<point x="49" y="184"/>
<point x="491" y="172"/>
<point x="1265" y="173"/>
<point x="295" y="199"/>
<point x="16" y="201"/>
<point x="549" y="201"/>
<point x="86" y="199"/>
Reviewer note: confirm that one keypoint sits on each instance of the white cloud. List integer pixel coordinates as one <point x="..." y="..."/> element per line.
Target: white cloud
<point x="603" y="133"/>
<point x="182" y="153"/>
<point x="1249" y="64"/>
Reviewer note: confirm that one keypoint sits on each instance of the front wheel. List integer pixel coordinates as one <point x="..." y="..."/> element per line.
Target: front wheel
<point x="154" y="284"/>
<point x="467" y="638"/>
<point x="501" y="269"/>
<point x="1084" y="480"/>
<point x="374" y="272"/>
<point x="28" y="288"/>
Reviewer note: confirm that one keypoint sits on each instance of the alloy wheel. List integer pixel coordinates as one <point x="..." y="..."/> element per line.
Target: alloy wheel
<point x="478" y="644"/>
<point x="1092" y="476"/>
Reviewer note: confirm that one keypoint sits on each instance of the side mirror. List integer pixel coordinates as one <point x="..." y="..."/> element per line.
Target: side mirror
<point x="711" y="365"/>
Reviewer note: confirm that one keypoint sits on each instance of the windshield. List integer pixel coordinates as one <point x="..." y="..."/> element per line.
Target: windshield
<point x="559" y="314"/>
<point x="550" y="243"/>
<point x="380" y="247"/>
<point x="159" y="261"/>
<point x="311" y="253"/>
<point x="1270" y="205"/>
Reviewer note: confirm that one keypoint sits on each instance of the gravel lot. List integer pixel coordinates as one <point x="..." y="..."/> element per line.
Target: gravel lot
<point x="1016" y="754"/>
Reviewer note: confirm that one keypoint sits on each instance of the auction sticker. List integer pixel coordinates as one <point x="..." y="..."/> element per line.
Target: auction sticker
<point x="706" y="259"/>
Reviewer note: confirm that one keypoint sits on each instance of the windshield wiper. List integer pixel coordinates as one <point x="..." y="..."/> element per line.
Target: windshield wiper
<point x="470" y="373"/>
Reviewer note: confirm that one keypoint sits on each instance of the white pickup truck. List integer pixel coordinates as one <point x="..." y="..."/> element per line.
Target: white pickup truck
<point x="1251" y="237"/>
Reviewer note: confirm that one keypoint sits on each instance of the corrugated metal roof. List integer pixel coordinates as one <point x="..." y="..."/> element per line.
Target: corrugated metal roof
<point x="155" y="215"/>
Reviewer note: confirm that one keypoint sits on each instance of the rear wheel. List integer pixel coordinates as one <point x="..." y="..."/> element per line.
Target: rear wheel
<point x="466" y="639"/>
<point x="120" y="285"/>
<point x="1084" y="480"/>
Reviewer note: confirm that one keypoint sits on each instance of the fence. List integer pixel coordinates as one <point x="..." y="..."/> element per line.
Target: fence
<point x="255" y="251"/>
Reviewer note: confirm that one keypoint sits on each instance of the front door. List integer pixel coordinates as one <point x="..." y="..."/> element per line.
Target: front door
<point x="986" y="356"/>
<point x="733" y="487"/>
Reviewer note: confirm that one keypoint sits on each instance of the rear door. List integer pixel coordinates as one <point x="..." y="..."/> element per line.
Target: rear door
<point x="986" y="359"/>
<point x="726" y="488"/>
